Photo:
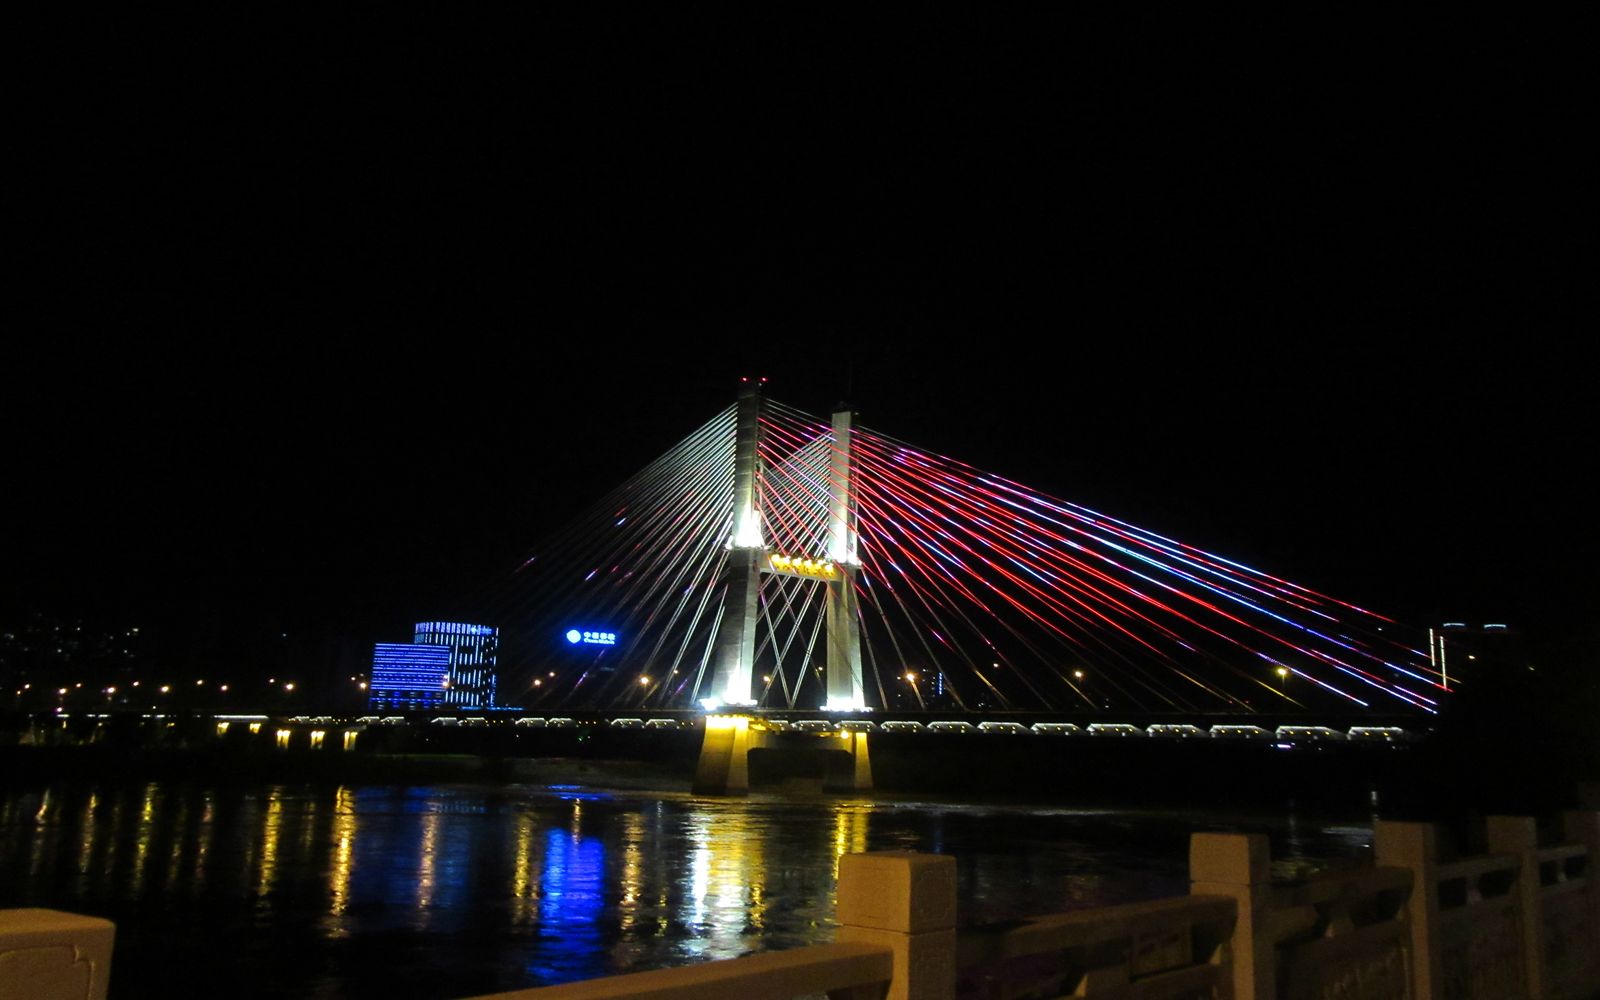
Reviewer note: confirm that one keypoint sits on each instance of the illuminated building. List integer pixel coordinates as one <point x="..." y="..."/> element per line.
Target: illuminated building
<point x="1457" y="650"/>
<point x="473" y="651"/>
<point x="408" y="676"/>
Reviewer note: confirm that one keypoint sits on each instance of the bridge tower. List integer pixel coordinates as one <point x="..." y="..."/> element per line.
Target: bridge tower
<point x="734" y="652"/>
<point x="845" y="691"/>
<point x="722" y="768"/>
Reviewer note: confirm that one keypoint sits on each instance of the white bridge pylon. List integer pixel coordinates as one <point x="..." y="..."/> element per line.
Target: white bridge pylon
<point x="750" y="556"/>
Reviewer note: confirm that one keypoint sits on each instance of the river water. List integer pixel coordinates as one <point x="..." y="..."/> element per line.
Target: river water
<point x="455" y="890"/>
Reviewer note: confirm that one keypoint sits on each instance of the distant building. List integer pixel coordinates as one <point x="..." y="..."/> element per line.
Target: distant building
<point x="474" y="651"/>
<point x="1459" y="650"/>
<point x="446" y="665"/>
<point x="408" y="676"/>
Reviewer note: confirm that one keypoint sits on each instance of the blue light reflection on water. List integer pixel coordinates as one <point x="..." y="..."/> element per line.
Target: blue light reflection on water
<point x="572" y="896"/>
<point x="448" y="891"/>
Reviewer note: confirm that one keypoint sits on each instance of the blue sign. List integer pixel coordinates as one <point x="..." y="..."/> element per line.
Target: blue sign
<point x="575" y="636"/>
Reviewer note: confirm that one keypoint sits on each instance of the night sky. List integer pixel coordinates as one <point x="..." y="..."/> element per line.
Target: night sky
<point x="323" y="324"/>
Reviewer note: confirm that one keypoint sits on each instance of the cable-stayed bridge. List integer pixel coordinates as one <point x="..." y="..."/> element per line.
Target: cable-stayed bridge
<point x="775" y="561"/>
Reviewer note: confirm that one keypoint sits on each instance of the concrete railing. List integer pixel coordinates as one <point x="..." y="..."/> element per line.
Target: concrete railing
<point x="841" y="970"/>
<point x="1521" y="921"/>
<point x="1167" y="948"/>
<point x="49" y="955"/>
<point x="1518" y="922"/>
<point x="1340" y="934"/>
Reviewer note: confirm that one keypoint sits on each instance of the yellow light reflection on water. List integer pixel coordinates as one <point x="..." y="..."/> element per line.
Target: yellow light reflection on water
<point x="726" y="873"/>
<point x="141" y="841"/>
<point x="36" y="855"/>
<point x="632" y="865"/>
<point x="525" y="891"/>
<point x="271" y="827"/>
<point x="203" y="843"/>
<point x="850" y="822"/>
<point x="428" y="859"/>
<point x="344" y="847"/>
<point x="178" y="824"/>
<point x="86" y="841"/>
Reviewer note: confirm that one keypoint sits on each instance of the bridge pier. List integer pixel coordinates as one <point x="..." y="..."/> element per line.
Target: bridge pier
<point x="854" y="776"/>
<point x="724" y="764"/>
<point x="723" y="767"/>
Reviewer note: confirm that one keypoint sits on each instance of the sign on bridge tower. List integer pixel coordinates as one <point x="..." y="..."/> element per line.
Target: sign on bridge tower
<point x="748" y="558"/>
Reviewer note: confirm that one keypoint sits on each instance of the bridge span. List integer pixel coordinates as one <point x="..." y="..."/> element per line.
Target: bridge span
<point x="842" y="745"/>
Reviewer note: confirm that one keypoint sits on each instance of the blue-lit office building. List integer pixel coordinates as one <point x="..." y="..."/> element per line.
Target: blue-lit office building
<point x="447" y="665"/>
<point x="408" y="676"/>
<point x="474" y="651"/>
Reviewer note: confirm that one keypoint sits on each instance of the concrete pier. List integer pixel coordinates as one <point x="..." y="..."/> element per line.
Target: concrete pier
<point x="723" y="767"/>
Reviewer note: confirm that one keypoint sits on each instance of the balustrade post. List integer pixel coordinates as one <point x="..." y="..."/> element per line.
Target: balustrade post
<point x="1582" y="826"/>
<point x="49" y="955"/>
<point x="1239" y="865"/>
<point x="1415" y="847"/>
<point x="1519" y="835"/>
<point x="905" y="902"/>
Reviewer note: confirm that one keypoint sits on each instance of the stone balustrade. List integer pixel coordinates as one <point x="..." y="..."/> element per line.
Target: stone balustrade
<point x="1521" y="921"/>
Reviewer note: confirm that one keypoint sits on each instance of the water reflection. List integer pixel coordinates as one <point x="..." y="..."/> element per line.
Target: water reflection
<point x="271" y="829"/>
<point x="344" y="847"/>
<point x="453" y="891"/>
<point x="427" y="858"/>
<point x="524" y="891"/>
<point x="632" y="857"/>
<point x="571" y="899"/>
<point x="141" y="836"/>
<point x="87" y="838"/>
<point x="725" y="879"/>
<point x="849" y="830"/>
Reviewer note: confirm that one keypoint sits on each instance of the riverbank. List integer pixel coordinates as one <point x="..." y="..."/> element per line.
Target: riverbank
<point x="1408" y="781"/>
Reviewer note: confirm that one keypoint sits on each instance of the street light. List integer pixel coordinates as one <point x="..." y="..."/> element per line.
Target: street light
<point x="911" y="678"/>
